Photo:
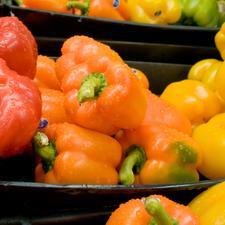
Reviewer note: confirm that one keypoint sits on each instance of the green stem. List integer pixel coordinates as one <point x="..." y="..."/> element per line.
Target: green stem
<point x="91" y="87"/>
<point x="158" y="212"/>
<point x="45" y="149"/>
<point x="132" y="164"/>
<point x="19" y="2"/>
<point x="83" y="6"/>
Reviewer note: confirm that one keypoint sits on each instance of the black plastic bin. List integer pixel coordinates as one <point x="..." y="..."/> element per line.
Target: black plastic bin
<point x="45" y="23"/>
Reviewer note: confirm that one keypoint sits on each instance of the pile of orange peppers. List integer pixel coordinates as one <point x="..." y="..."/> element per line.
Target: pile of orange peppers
<point x="102" y="117"/>
<point x="98" y="114"/>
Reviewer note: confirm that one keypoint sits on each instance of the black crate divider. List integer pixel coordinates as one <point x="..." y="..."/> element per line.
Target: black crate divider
<point x="66" y="25"/>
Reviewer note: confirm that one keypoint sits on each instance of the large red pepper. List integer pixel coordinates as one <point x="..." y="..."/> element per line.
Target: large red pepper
<point x="153" y="210"/>
<point x="17" y="46"/>
<point x="20" y="106"/>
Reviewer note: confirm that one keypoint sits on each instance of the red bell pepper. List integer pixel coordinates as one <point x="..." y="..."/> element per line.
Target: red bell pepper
<point x="17" y="46"/>
<point x="20" y="106"/>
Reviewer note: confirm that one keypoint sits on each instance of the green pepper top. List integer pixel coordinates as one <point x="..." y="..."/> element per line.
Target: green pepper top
<point x="203" y="13"/>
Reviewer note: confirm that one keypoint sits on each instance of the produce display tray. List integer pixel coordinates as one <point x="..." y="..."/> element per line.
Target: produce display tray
<point x="65" y="25"/>
<point x="26" y="202"/>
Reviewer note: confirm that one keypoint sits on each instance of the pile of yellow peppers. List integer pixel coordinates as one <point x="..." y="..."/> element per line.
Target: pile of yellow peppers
<point x="202" y="98"/>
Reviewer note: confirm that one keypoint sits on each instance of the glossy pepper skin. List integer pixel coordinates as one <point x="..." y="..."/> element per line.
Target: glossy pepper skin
<point x="210" y="72"/>
<point x="141" y="77"/>
<point x="220" y="41"/>
<point x="160" y="111"/>
<point x="45" y="76"/>
<point x="52" y="5"/>
<point x="101" y="92"/>
<point x="98" y="8"/>
<point x="194" y="99"/>
<point x="53" y="109"/>
<point x="220" y="82"/>
<point x="154" y="12"/>
<point x="157" y="154"/>
<point x="200" y="12"/>
<point x="209" y="205"/>
<point x="20" y="111"/>
<point x="206" y="71"/>
<point x="89" y="156"/>
<point x="213" y="154"/>
<point x="155" y="209"/>
<point x="17" y="46"/>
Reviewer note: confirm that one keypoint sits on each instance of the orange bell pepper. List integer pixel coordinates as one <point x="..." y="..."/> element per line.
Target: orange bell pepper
<point x="153" y="210"/>
<point x="53" y="109"/>
<point x="141" y="77"/>
<point x="45" y="73"/>
<point x="101" y="93"/>
<point x="52" y="5"/>
<point x="158" y="154"/>
<point x="160" y="111"/>
<point x="70" y="154"/>
<point x="97" y="8"/>
<point x="86" y="47"/>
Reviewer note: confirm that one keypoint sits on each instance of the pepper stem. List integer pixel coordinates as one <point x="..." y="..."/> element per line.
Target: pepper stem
<point x="82" y="6"/>
<point x="45" y="149"/>
<point x="19" y="2"/>
<point x="91" y="87"/>
<point x="132" y="164"/>
<point x="158" y="212"/>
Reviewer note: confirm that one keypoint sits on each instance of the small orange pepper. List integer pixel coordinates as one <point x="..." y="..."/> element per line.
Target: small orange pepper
<point x="70" y="154"/>
<point x="45" y="73"/>
<point x="152" y="210"/>
<point x="158" y="154"/>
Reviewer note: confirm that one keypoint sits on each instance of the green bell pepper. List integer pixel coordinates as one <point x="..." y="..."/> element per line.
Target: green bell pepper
<point x="203" y="13"/>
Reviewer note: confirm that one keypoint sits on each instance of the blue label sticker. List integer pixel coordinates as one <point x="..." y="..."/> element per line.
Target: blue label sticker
<point x="116" y="3"/>
<point x="135" y="71"/>
<point x="43" y="123"/>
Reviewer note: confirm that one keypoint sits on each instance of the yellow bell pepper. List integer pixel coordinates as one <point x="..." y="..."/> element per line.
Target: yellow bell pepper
<point x="220" y="41"/>
<point x="205" y="71"/>
<point x="211" y="136"/>
<point x="220" y="82"/>
<point x="154" y="11"/>
<point x="194" y="99"/>
<point x="210" y="72"/>
<point x="209" y="205"/>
